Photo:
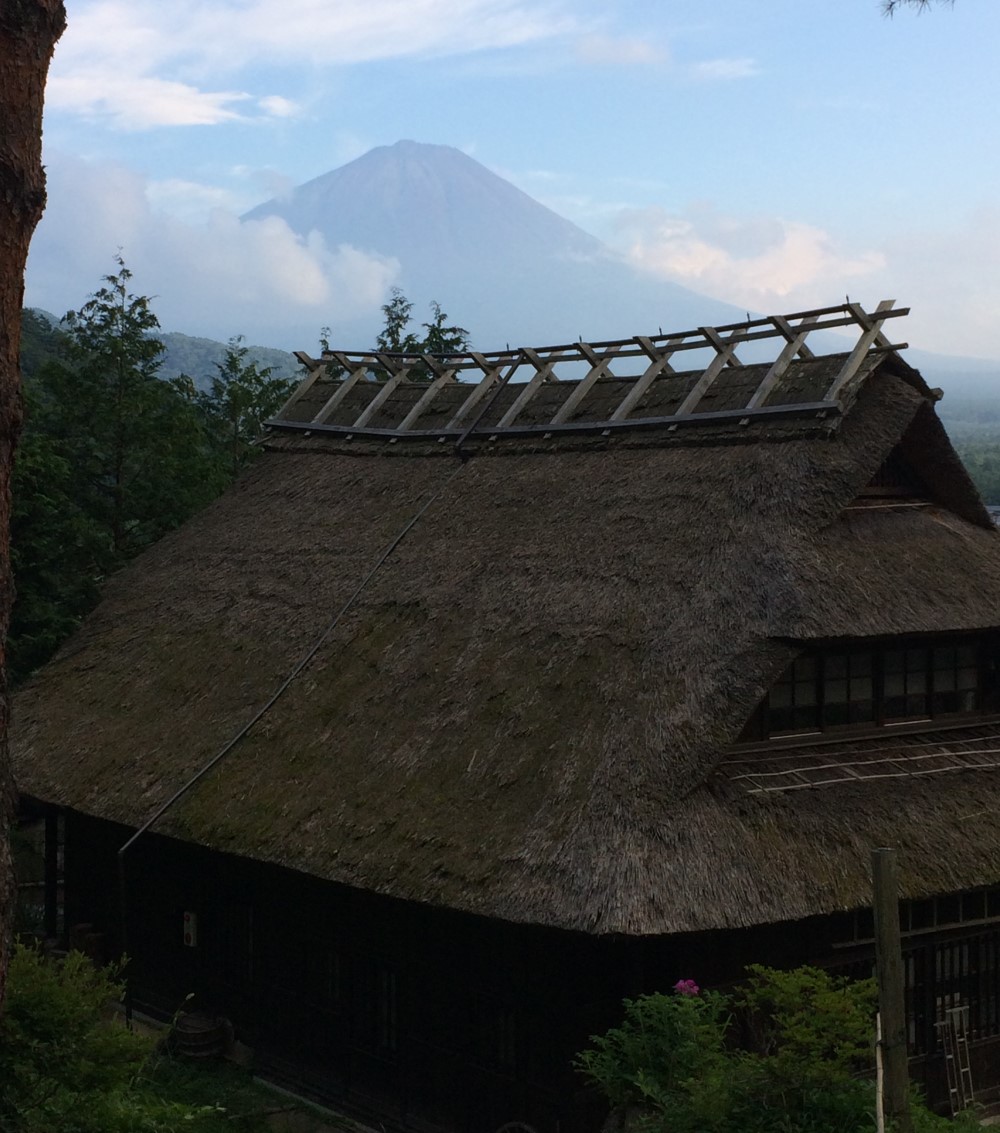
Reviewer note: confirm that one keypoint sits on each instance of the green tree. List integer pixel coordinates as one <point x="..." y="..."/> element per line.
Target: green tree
<point x="889" y="7"/>
<point x="40" y="343"/>
<point x="137" y="444"/>
<point x="787" y="1053"/>
<point x="440" y="338"/>
<point x="394" y="337"/>
<point x="55" y="553"/>
<point x="112" y="458"/>
<point x="66" y="1068"/>
<point x="241" y="397"/>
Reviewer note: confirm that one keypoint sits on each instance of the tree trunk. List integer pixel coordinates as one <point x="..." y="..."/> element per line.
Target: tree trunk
<point x="29" y="30"/>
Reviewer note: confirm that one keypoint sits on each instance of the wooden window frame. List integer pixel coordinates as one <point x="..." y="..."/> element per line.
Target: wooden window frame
<point x="813" y="709"/>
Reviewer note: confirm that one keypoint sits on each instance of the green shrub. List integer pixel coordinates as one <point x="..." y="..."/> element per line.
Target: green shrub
<point x="669" y="1056"/>
<point x="64" y="1066"/>
<point x="678" y="1064"/>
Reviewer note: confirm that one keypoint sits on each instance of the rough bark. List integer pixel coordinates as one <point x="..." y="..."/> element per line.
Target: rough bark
<point x="29" y="30"/>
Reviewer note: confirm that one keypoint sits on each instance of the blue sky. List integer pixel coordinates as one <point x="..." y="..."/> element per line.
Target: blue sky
<point x="774" y="153"/>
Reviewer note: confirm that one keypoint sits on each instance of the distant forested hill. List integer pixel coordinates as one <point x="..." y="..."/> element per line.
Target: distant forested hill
<point x="41" y="340"/>
<point x="199" y="357"/>
<point x="184" y="354"/>
<point x="973" y="423"/>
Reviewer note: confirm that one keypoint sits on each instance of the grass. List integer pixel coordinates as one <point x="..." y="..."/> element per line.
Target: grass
<point x="230" y="1099"/>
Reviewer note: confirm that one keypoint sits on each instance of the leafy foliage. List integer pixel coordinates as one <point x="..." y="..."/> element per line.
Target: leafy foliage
<point x="63" y="1068"/>
<point x="890" y="7"/>
<point x="669" y="1057"/>
<point x="440" y="338"/>
<point x="136" y="444"/>
<point x="55" y="553"/>
<point x="41" y="339"/>
<point x="112" y="457"/>
<point x="240" y="398"/>
<point x="810" y="1024"/>
<point x="394" y="337"/>
<point x="677" y="1064"/>
<point x="67" y="1067"/>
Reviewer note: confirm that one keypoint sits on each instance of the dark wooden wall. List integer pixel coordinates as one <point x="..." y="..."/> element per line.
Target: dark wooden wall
<point x="425" y="1018"/>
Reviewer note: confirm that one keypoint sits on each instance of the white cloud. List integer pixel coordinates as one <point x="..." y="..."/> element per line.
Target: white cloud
<point x="219" y="277"/>
<point x="759" y="262"/>
<point x="267" y="181"/>
<point x="137" y="102"/>
<point x="621" y="51"/>
<point x="724" y="70"/>
<point x="191" y="200"/>
<point x="144" y="63"/>
<point x="276" y="106"/>
<point x="948" y="277"/>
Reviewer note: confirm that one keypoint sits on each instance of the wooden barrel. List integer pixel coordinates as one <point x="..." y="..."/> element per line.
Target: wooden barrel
<point x="198" y="1035"/>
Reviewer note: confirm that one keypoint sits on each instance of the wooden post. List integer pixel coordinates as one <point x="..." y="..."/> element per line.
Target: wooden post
<point x="51" y="872"/>
<point x="891" y="1002"/>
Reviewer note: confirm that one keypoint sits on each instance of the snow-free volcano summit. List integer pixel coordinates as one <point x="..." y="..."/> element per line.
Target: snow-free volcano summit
<point x="499" y="262"/>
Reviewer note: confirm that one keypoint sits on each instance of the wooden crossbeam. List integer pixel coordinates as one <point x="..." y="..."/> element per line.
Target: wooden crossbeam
<point x="726" y="346"/>
<point x="723" y="358"/>
<point x="598" y="368"/>
<point x="492" y="373"/>
<point x="314" y="371"/>
<point x="445" y="376"/>
<point x="753" y="330"/>
<point x="653" y="354"/>
<point x="398" y="368"/>
<point x="543" y="373"/>
<point x="356" y="372"/>
<point x="791" y="332"/>
<point x="865" y="320"/>
<point x="818" y="411"/>
<point x="657" y="352"/>
<point x="793" y="347"/>
<point x="861" y="348"/>
<point x="657" y="366"/>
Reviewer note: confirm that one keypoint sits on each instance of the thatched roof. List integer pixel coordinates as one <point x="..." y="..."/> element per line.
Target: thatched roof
<point x="528" y="712"/>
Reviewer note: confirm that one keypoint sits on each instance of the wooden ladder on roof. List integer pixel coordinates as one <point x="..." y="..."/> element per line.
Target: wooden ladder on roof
<point x="953" y="1031"/>
<point x="645" y="359"/>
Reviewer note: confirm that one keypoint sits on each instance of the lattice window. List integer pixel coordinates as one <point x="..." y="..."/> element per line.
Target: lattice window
<point x="878" y="684"/>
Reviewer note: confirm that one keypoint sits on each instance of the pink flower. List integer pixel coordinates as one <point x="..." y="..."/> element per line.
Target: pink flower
<point x="686" y="987"/>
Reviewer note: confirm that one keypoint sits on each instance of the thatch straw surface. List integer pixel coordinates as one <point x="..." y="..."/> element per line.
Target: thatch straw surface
<point x="523" y="714"/>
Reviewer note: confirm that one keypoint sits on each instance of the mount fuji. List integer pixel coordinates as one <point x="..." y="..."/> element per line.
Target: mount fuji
<point x="502" y="265"/>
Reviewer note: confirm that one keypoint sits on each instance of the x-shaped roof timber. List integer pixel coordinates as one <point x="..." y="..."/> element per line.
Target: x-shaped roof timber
<point x="494" y="370"/>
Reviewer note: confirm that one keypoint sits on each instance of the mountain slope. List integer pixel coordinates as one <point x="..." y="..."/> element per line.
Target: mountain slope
<point x="501" y="264"/>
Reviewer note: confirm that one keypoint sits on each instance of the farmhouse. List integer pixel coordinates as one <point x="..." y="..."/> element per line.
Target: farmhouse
<point x="480" y="702"/>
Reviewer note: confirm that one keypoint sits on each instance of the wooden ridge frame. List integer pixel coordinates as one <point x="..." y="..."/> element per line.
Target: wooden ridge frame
<point x="496" y="369"/>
